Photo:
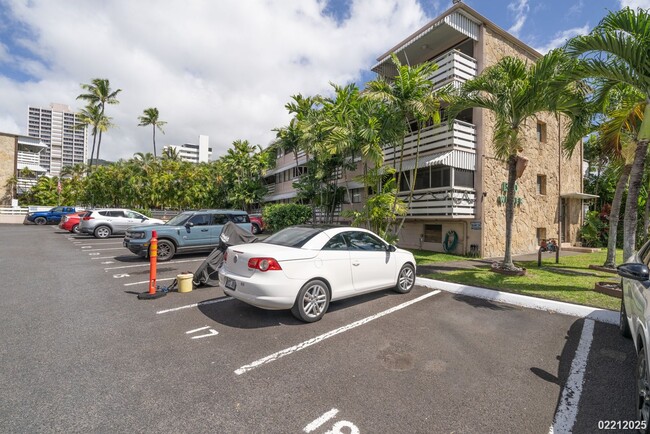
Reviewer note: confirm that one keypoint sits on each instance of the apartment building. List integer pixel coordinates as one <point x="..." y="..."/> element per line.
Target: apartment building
<point x="200" y="153"/>
<point x="55" y="126"/>
<point x="460" y="185"/>
<point x="20" y="157"/>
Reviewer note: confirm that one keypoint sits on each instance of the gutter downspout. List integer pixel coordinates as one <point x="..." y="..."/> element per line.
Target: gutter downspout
<point x="559" y="192"/>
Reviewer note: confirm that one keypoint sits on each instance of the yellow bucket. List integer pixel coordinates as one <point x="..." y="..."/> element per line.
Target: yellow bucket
<point x="185" y="282"/>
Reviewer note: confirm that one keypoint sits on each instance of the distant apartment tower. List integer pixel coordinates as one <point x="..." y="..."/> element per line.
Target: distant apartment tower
<point x="55" y="126"/>
<point x="200" y="153"/>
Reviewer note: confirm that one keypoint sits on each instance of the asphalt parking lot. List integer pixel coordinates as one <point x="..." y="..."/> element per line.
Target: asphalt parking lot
<point x="81" y="353"/>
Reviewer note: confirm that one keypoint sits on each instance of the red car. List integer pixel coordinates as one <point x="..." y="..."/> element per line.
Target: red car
<point x="70" y="222"/>
<point x="257" y="223"/>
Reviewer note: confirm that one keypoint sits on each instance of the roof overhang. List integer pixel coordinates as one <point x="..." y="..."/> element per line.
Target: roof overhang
<point x="455" y="158"/>
<point x="576" y="195"/>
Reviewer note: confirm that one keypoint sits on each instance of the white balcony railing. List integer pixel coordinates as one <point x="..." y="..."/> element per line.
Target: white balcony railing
<point x="434" y="138"/>
<point x="448" y="202"/>
<point x="453" y="67"/>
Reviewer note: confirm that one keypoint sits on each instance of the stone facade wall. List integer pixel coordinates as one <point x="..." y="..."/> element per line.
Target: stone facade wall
<point x="537" y="210"/>
<point x="7" y="165"/>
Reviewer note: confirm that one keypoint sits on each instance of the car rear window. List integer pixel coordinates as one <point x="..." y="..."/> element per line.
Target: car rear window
<point x="295" y="236"/>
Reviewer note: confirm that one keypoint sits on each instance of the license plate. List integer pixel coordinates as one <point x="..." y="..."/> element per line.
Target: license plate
<point x="231" y="284"/>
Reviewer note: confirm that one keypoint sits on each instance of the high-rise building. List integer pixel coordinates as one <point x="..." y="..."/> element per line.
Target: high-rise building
<point x="200" y="153"/>
<point x="55" y="126"/>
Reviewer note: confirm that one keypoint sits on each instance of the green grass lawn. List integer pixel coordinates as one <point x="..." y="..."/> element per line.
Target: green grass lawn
<point x="551" y="280"/>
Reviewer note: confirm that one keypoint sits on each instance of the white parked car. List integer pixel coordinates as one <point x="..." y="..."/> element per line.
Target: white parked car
<point x="635" y="323"/>
<point x="303" y="268"/>
<point x="102" y="223"/>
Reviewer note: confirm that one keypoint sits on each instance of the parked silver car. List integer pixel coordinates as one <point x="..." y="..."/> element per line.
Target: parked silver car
<point x="103" y="223"/>
<point x="634" y="322"/>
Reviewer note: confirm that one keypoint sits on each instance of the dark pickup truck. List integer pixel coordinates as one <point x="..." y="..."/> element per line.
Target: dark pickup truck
<point x="52" y="216"/>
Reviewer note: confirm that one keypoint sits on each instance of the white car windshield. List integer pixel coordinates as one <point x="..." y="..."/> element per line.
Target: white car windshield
<point x="295" y="236"/>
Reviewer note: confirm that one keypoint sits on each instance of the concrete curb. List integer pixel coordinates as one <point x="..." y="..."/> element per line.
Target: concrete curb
<point x="601" y="315"/>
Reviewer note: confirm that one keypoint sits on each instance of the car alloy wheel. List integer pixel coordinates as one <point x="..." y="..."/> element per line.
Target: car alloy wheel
<point x="256" y="229"/>
<point x="40" y="220"/>
<point x="76" y="229"/>
<point x="102" y="232"/>
<point x="166" y="250"/>
<point x="312" y="301"/>
<point x="642" y="388"/>
<point x="405" y="279"/>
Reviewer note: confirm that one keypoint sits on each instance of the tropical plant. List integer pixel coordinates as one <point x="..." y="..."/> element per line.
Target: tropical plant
<point x="616" y="52"/>
<point x="516" y="93"/>
<point x="410" y="97"/>
<point x="99" y="93"/>
<point x="281" y="215"/>
<point x="151" y="117"/>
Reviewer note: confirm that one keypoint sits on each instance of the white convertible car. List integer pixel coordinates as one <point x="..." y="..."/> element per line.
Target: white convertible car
<point x="303" y="268"/>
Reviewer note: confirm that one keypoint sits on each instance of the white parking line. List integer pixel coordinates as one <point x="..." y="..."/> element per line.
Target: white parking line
<point x="98" y="250"/>
<point x="146" y="281"/>
<point x="202" y="303"/>
<point x="567" y="410"/>
<point x="147" y="264"/>
<point x="301" y="346"/>
<point x="321" y="420"/>
<point x="85" y="243"/>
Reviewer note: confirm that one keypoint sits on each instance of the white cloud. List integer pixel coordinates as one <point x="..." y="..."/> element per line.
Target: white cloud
<point x="520" y="9"/>
<point x="634" y="4"/>
<point x="562" y="37"/>
<point x="224" y="68"/>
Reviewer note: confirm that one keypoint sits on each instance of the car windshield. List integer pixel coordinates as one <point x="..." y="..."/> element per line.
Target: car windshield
<point x="295" y="236"/>
<point x="180" y="219"/>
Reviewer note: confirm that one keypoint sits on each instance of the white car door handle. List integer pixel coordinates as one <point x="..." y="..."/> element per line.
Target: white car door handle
<point x="355" y="264"/>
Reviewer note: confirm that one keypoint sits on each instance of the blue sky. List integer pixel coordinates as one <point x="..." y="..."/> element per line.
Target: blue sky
<point x="226" y="68"/>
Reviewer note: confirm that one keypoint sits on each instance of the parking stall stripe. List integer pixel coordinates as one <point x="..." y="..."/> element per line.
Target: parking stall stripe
<point x="567" y="410"/>
<point x="146" y="281"/>
<point x="301" y="346"/>
<point x="202" y="303"/>
<point x="90" y="249"/>
<point x="147" y="264"/>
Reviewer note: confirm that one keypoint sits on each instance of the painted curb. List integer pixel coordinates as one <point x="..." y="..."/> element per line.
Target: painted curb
<point x="601" y="315"/>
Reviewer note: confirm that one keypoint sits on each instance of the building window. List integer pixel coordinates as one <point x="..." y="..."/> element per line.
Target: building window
<point x="431" y="177"/>
<point x="464" y="178"/>
<point x="541" y="184"/>
<point x="433" y="233"/>
<point x="541" y="132"/>
<point x="541" y="235"/>
<point x="355" y="194"/>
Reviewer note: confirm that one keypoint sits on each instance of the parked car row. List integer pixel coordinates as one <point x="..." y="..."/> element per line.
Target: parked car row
<point x="300" y="268"/>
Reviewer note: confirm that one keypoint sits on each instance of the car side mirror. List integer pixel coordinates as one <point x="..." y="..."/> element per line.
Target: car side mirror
<point x="189" y="225"/>
<point x="391" y="248"/>
<point x="634" y="271"/>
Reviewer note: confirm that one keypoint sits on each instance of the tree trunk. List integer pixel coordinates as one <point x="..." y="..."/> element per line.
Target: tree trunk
<point x="631" y="204"/>
<point x="154" y="141"/>
<point x="614" y="216"/>
<point x="646" y="214"/>
<point x="415" y="175"/>
<point x="510" y="212"/>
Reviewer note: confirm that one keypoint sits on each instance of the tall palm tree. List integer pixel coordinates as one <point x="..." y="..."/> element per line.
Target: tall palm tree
<point x="150" y="117"/>
<point x="99" y="93"/>
<point x="171" y="154"/>
<point x="516" y="93"/>
<point x="410" y="96"/>
<point x="616" y="51"/>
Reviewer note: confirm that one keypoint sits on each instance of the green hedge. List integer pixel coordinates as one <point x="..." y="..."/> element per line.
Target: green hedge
<point x="282" y="215"/>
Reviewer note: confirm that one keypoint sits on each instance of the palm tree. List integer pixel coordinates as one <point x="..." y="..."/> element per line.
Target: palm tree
<point x="616" y="51"/>
<point x="409" y="96"/>
<point x="150" y="117"/>
<point x="171" y="154"/>
<point x="99" y="94"/>
<point x="516" y="93"/>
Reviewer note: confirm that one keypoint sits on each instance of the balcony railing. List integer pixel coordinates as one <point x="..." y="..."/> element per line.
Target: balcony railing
<point x="436" y="138"/>
<point x="448" y="202"/>
<point x="453" y="67"/>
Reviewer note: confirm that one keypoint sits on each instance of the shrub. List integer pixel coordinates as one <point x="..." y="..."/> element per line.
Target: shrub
<point x="282" y="215"/>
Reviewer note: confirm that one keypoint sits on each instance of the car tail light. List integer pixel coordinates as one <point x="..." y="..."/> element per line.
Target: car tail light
<point x="225" y="256"/>
<point x="88" y="218"/>
<point x="264" y="264"/>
